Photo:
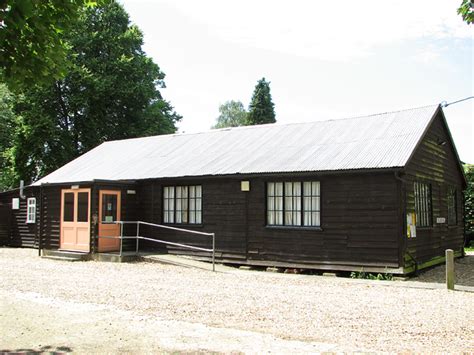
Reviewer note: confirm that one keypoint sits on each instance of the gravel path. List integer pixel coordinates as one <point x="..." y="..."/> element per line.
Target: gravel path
<point x="180" y="309"/>
<point x="463" y="268"/>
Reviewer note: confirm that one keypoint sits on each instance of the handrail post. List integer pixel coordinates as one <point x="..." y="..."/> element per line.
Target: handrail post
<point x="138" y="234"/>
<point x="121" y="238"/>
<point x="214" y="252"/>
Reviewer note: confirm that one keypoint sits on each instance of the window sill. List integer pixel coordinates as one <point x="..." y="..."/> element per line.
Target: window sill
<point x="313" y="229"/>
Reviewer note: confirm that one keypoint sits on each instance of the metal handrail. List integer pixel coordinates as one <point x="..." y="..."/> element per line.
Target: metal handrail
<point x="138" y="237"/>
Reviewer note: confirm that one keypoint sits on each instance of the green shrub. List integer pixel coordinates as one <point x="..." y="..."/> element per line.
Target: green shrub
<point x="369" y="276"/>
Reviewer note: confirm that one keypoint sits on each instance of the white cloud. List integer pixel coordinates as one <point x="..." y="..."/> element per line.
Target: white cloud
<point x="333" y="30"/>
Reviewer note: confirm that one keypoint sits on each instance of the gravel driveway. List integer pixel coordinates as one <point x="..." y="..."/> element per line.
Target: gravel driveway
<point x="50" y="305"/>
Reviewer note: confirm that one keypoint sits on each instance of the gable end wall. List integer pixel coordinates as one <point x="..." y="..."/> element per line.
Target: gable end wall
<point x="437" y="165"/>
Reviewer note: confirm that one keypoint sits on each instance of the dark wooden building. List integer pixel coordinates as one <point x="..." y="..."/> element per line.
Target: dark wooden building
<point x="379" y="193"/>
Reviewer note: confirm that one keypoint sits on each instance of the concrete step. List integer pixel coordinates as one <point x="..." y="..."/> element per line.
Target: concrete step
<point x="116" y="258"/>
<point x="62" y="258"/>
<point x="65" y="255"/>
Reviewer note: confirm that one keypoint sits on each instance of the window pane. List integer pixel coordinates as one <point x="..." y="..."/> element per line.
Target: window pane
<point x="307" y="218"/>
<point x="68" y="208"/>
<point x="452" y="207"/>
<point x="109" y="208"/>
<point x="270" y="217"/>
<point x="292" y="203"/>
<point x="423" y="208"/>
<point x="279" y="189"/>
<point x="171" y="204"/>
<point x="279" y="203"/>
<point x="315" y="188"/>
<point x="178" y="207"/>
<point x="316" y="218"/>
<point x="194" y="204"/>
<point x="279" y="217"/>
<point x="311" y="203"/>
<point x="271" y="189"/>
<point x="83" y="207"/>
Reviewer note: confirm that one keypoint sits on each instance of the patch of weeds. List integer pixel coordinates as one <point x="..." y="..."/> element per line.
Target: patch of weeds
<point x="370" y="276"/>
<point x="470" y="247"/>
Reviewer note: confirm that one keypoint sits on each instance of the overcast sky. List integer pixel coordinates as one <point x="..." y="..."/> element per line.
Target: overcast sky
<point x="325" y="60"/>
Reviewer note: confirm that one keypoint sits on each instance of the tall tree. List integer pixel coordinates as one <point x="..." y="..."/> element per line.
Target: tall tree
<point x="32" y="47"/>
<point x="261" y="108"/>
<point x="110" y="92"/>
<point x="8" y="126"/>
<point x="231" y="114"/>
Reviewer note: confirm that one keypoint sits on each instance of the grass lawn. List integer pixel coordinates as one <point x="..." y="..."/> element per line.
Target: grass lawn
<point x="470" y="247"/>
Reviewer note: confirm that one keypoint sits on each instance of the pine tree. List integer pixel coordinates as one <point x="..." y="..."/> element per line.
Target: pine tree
<point x="261" y="108"/>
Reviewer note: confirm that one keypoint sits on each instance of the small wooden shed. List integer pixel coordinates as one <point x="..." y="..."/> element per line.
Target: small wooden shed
<point x="381" y="193"/>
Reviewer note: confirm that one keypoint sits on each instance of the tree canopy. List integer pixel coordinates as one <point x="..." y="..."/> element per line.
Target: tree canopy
<point x="231" y="114"/>
<point x="261" y="108"/>
<point x="111" y="91"/>
<point x="466" y="10"/>
<point x="8" y="122"/>
<point x="32" y="46"/>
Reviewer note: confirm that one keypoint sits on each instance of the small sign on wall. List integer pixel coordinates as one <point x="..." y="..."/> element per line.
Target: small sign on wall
<point x="440" y="220"/>
<point x="411" y="225"/>
<point x="15" y="203"/>
<point x="245" y="185"/>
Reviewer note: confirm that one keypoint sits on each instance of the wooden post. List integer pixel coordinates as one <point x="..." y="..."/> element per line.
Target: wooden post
<point x="450" y="269"/>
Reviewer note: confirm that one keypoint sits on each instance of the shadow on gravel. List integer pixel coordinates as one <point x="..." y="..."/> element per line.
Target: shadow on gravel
<point x="463" y="267"/>
<point x="42" y="350"/>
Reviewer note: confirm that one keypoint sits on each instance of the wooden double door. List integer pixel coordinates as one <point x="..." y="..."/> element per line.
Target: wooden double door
<point x="75" y="220"/>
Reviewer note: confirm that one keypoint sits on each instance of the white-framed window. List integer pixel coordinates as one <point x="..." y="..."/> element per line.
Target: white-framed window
<point x="31" y="210"/>
<point x="294" y="203"/>
<point x="182" y="204"/>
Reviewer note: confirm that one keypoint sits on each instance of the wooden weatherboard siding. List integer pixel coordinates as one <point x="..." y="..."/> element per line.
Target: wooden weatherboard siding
<point x="51" y="216"/>
<point x="359" y="220"/>
<point x="223" y="212"/>
<point x="20" y="233"/>
<point x="437" y="165"/>
<point x="5" y="223"/>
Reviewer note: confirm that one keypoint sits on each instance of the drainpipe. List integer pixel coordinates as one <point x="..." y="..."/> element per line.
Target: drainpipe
<point x="40" y="226"/>
<point x="22" y="186"/>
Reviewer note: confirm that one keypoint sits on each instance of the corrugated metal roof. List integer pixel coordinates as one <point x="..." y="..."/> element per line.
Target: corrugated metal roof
<point x="378" y="141"/>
